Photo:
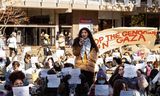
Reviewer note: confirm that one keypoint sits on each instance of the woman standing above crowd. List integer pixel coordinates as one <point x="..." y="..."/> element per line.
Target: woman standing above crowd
<point x="85" y="50"/>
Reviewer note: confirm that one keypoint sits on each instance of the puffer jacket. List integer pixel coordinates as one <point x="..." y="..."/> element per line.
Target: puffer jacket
<point x="87" y="64"/>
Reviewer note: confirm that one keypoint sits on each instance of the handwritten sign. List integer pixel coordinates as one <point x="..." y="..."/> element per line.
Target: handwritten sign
<point x="112" y="38"/>
<point x="21" y="91"/>
<point x="53" y="81"/>
<point x="101" y="90"/>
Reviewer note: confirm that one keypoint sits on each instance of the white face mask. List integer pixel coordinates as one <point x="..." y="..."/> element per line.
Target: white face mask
<point x="101" y="81"/>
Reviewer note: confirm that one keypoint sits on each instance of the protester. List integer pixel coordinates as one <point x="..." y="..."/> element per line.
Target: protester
<point x="118" y="74"/>
<point x="27" y="61"/>
<point x="15" y="67"/>
<point x="118" y="86"/>
<point x="101" y="80"/>
<point x="17" y="80"/>
<point x="2" y="43"/>
<point x="12" y="44"/>
<point x="85" y="50"/>
<point x="61" y="41"/>
<point x="142" y="82"/>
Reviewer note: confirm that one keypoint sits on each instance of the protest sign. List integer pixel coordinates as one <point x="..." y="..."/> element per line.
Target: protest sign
<point x="34" y="60"/>
<point x="43" y="73"/>
<point x="66" y="71"/>
<point x="151" y="58"/>
<point x="53" y="81"/>
<point x="26" y="49"/>
<point x="59" y="53"/>
<point x="101" y="90"/>
<point x="130" y="71"/>
<point x="75" y="76"/>
<point x="21" y="91"/>
<point x="116" y="37"/>
<point x="127" y="93"/>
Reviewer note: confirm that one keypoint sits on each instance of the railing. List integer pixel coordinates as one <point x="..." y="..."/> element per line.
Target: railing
<point x="83" y="4"/>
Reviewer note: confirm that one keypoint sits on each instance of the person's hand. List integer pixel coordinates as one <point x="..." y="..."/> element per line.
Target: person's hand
<point x="81" y="41"/>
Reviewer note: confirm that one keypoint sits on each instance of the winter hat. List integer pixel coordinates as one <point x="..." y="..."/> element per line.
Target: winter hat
<point x="101" y="74"/>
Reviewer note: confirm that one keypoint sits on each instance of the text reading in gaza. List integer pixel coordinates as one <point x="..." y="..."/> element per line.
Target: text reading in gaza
<point x="122" y="37"/>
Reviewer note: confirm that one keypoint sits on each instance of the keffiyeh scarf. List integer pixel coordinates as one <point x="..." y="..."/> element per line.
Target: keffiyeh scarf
<point x="86" y="48"/>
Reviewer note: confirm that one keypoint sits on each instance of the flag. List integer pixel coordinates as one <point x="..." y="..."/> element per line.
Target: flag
<point x="149" y="3"/>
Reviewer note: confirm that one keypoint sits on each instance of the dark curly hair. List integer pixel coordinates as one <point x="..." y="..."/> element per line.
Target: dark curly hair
<point x="16" y="75"/>
<point x="76" y="40"/>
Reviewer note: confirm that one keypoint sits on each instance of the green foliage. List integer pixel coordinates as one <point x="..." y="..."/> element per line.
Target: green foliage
<point x="138" y="20"/>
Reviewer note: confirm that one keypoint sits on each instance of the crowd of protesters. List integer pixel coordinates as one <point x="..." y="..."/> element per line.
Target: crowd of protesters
<point x="102" y="76"/>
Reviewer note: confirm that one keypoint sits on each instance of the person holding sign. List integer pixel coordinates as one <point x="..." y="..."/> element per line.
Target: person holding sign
<point x="85" y="50"/>
<point x="119" y="85"/>
<point x="118" y="74"/>
<point x="101" y="86"/>
<point x="17" y="79"/>
<point x="68" y="88"/>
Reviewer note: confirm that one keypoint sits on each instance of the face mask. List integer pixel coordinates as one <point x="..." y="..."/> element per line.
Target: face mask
<point x="101" y="81"/>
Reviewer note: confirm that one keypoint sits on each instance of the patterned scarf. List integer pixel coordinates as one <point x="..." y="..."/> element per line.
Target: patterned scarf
<point x="86" y="48"/>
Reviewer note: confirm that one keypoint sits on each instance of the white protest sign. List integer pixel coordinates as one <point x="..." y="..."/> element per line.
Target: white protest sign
<point x="99" y="61"/>
<point x="108" y="59"/>
<point x="43" y="73"/>
<point x="21" y="91"/>
<point x="130" y="71"/>
<point x="127" y="93"/>
<point x="59" y="53"/>
<point x="141" y="65"/>
<point x="26" y="49"/>
<point x="127" y="57"/>
<point x="34" y="60"/>
<point x="75" y="76"/>
<point x="66" y="71"/>
<point x="71" y="60"/>
<point x="101" y="90"/>
<point x="151" y="58"/>
<point x="116" y="54"/>
<point x="53" y="81"/>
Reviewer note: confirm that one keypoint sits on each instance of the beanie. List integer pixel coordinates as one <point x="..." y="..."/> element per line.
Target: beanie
<point x="101" y="74"/>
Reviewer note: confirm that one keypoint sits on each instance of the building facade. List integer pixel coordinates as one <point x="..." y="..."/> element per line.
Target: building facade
<point x="68" y="16"/>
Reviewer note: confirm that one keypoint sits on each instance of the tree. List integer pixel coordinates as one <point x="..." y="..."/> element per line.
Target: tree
<point x="12" y="15"/>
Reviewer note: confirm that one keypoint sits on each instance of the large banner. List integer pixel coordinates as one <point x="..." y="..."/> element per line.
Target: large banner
<point x="116" y="37"/>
